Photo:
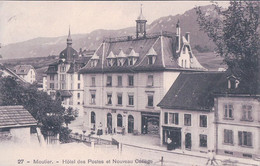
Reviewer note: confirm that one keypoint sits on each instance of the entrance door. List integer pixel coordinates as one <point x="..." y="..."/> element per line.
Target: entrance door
<point x="188" y="141"/>
<point x="130" y="124"/>
<point x="109" y="123"/>
<point x="144" y="125"/>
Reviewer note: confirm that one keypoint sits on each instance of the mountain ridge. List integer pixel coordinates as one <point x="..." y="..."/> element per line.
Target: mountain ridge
<point x="45" y="46"/>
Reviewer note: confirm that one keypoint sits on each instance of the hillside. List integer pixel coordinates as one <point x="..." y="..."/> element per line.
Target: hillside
<point x="42" y="47"/>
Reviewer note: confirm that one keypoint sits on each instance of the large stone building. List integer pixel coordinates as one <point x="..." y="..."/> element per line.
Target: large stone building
<point x="62" y="78"/>
<point x="127" y="77"/>
<point x="238" y="120"/>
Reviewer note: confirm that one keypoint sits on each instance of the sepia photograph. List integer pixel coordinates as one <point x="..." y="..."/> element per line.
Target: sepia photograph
<point x="130" y="83"/>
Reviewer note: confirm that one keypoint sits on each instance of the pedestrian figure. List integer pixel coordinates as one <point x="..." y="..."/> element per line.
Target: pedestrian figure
<point x="169" y="144"/>
<point x="100" y="132"/>
<point x="211" y="158"/>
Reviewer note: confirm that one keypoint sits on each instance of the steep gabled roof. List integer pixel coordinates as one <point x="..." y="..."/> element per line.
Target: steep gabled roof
<point x="4" y="71"/>
<point x="194" y="91"/>
<point x="22" y="69"/>
<point x="15" y="116"/>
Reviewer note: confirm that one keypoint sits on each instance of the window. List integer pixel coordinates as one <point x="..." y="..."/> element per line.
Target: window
<point x="203" y="140"/>
<point x="78" y="95"/>
<point x="78" y="103"/>
<point x="130" y="80"/>
<point x="78" y="85"/>
<point x="247" y="113"/>
<point x="228" y="136"/>
<point x="119" y="80"/>
<point x="119" y="120"/>
<point x="187" y="119"/>
<point x="151" y="60"/>
<point x="166" y="117"/>
<point x="130" y="61"/>
<point x="150" y="80"/>
<point x="93" y="98"/>
<point x="119" y="99"/>
<point x="131" y="99"/>
<point x="109" y="80"/>
<point x="93" y="117"/>
<point x="109" y="98"/>
<point x="62" y="85"/>
<point x="93" y="62"/>
<point x="244" y="138"/>
<point x="93" y="81"/>
<point x="203" y="120"/>
<point x="174" y="118"/>
<point x="150" y="101"/>
<point x="78" y="76"/>
<point x="63" y="68"/>
<point x="181" y="63"/>
<point x="52" y="85"/>
<point x="63" y="77"/>
<point x="228" y="111"/>
<point x="52" y="77"/>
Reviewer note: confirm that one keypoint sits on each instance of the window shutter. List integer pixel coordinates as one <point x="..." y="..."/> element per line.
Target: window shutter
<point x="249" y="138"/>
<point x="231" y="132"/>
<point x="240" y="137"/>
<point x="176" y="118"/>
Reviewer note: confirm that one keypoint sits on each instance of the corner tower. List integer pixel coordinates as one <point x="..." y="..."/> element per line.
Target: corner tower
<point x="141" y="25"/>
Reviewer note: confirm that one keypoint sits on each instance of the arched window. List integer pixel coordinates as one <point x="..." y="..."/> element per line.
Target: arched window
<point x="119" y="120"/>
<point x="109" y="123"/>
<point x="93" y="117"/>
<point x="130" y="124"/>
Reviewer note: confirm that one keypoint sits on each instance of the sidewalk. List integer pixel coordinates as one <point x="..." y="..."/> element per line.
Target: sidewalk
<point x="152" y="143"/>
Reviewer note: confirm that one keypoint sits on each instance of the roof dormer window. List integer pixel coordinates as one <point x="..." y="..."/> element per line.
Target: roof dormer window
<point x="132" y="57"/>
<point x="232" y="82"/>
<point x="121" y="58"/>
<point x="94" y="60"/>
<point x="111" y="59"/>
<point x="151" y="56"/>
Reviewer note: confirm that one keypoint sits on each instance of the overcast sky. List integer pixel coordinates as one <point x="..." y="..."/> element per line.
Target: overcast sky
<point x="20" y="21"/>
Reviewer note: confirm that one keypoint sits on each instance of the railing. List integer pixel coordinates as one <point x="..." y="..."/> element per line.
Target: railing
<point x="89" y="139"/>
<point x="129" y="38"/>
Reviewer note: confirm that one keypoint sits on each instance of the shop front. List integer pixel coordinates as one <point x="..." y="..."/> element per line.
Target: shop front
<point x="150" y="123"/>
<point x="172" y="135"/>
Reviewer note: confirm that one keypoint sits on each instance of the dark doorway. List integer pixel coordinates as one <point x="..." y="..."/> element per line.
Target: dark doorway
<point x="188" y="140"/>
<point x="130" y="124"/>
<point x="109" y="123"/>
<point x="174" y="134"/>
<point x="93" y="120"/>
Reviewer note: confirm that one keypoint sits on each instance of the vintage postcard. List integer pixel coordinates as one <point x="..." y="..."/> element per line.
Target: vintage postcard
<point x="129" y="83"/>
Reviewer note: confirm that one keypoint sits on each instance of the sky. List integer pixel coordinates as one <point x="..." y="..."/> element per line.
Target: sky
<point x="21" y="21"/>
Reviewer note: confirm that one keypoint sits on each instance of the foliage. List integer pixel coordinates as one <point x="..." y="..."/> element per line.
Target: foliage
<point x="64" y="135"/>
<point x="70" y="115"/>
<point x="235" y="31"/>
<point x="202" y="49"/>
<point x="49" y="113"/>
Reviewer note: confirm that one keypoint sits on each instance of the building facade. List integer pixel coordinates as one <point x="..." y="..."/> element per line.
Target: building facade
<point x="127" y="77"/>
<point x="62" y="78"/>
<point x="188" y="112"/>
<point x="237" y="122"/>
<point x="27" y="72"/>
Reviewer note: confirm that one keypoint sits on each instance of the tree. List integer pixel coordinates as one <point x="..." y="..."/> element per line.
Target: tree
<point x="49" y="113"/>
<point x="70" y="115"/>
<point x="235" y="32"/>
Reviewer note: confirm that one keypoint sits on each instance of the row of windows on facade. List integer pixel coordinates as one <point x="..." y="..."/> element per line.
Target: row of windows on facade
<point x="246" y="112"/>
<point x="62" y="86"/>
<point x="121" y="61"/>
<point x="120" y="99"/>
<point x="109" y="118"/>
<point x="62" y="77"/>
<point x="109" y="81"/>
<point x="173" y="118"/>
<point x="244" y="138"/>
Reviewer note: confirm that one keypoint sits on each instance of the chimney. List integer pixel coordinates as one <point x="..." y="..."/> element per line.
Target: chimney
<point x="187" y="36"/>
<point x="178" y="36"/>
